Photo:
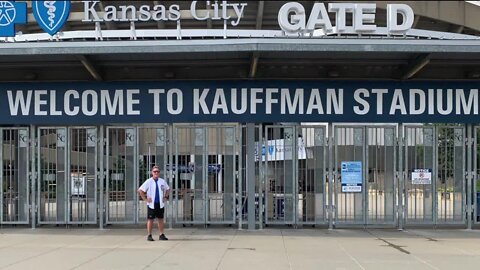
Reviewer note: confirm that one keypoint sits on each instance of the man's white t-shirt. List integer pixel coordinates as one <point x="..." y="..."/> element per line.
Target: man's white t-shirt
<point x="149" y="187"/>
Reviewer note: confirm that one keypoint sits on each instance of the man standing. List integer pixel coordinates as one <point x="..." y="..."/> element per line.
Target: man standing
<point x="155" y="192"/>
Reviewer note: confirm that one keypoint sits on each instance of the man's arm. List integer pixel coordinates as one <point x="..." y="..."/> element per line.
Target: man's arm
<point x="166" y="192"/>
<point x="143" y="194"/>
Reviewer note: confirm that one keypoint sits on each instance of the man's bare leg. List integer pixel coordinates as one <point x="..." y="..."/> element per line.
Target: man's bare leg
<point x="149" y="226"/>
<point x="161" y="226"/>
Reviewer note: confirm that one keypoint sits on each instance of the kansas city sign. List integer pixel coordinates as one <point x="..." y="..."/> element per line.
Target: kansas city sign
<point x="131" y="13"/>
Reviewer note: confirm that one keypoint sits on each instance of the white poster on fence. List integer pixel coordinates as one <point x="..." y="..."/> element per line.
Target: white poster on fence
<point x="422" y="177"/>
<point x="79" y="185"/>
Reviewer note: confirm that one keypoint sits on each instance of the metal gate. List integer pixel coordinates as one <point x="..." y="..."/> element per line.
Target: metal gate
<point x="476" y="182"/>
<point x="440" y="198"/>
<point x="250" y="179"/>
<point x="82" y="175"/>
<point x="280" y="174"/>
<point x="121" y="178"/>
<point x="373" y="149"/>
<point x="295" y="175"/>
<point x="205" y="172"/>
<point x="152" y="150"/>
<point x="52" y="175"/>
<point x="14" y="178"/>
<point x="67" y="175"/>
<point x="312" y="189"/>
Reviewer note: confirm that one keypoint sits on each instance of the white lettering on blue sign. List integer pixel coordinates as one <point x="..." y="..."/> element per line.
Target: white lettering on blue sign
<point x="351" y="176"/>
<point x="252" y="101"/>
<point x="45" y="102"/>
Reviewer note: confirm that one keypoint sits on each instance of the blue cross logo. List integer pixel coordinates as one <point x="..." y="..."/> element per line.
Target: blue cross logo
<point x="11" y="13"/>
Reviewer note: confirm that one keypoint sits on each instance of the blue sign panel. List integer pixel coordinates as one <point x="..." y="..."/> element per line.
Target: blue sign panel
<point x="51" y="15"/>
<point x="190" y="168"/>
<point x="352" y="179"/>
<point x="240" y="102"/>
<point x="11" y="13"/>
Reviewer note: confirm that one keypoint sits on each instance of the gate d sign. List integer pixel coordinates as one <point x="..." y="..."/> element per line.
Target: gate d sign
<point x="11" y="13"/>
<point x="51" y="15"/>
<point x="292" y="18"/>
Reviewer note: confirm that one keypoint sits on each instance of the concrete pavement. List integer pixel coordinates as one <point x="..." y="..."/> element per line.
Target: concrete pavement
<point x="221" y="248"/>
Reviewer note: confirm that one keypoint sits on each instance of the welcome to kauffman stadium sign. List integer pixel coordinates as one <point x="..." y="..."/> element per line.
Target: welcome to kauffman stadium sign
<point x="292" y="16"/>
<point x="240" y="102"/>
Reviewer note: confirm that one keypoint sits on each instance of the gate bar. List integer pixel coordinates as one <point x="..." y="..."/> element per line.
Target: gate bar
<point x="475" y="175"/>
<point x="101" y="176"/>
<point x="170" y="176"/>
<point x="136" y="170"/>
<point x="261" y="174"/>
<point x="469" y="176"/>
<point x="239" y="176"/>
<point x="434" y="177"/>
<point x="68" y="175"/>
<point x="401" y="180"/>
<point x="66" y="178"/>
<point x="33" y="175"/>
<point x="1" y="177"/>
<point x="365" y="167"/>
<point x="250" y="167"/>
<point x="206" y="193"/>
<point x="294" y="175"/>
<point x="331" y="181"/>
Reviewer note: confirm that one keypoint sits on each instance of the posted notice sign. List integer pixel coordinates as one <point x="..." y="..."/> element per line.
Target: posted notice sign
<point x="352" y="179"/>
<point x="421" y="177"/>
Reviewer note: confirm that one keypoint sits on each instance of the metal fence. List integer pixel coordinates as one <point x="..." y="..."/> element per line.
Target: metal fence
<point x="90" y="175"/>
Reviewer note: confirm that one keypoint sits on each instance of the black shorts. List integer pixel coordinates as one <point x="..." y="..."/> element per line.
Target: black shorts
<point x="155" y="213"/>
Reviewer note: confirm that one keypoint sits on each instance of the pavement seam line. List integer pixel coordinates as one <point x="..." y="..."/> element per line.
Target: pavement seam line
<point x="389" y="244"/>
<point x="18" y="244"/>
<point x="226" y="250"/>
<point x="425" y="262"/>
<point x="421" y="235"/>
<point x="418" y="258"/>
<point x="12" y="245"/>
<point x="350" y="255"/>
<point x="441" y="242"/>
<point x="168" y="250"/>
<point x="392" y="245"/>
<point x="286" y="251"/>
<point x="414" y="256"/>
<point x="41" y="254"/>
<point x="102" y="254"/>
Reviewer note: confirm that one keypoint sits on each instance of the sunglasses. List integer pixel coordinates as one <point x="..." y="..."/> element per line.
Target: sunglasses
<point x="155" y="171"/>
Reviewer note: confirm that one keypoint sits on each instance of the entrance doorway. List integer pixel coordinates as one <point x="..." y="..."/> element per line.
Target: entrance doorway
<point x="67" y="170"/>
<point x="365" y="195"/>
<point x="440" y="197"/>
<point x="14" y="177"/>
<point x="204" y="168"/>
